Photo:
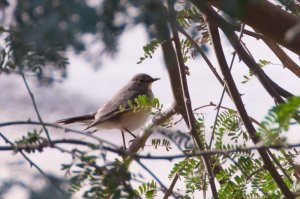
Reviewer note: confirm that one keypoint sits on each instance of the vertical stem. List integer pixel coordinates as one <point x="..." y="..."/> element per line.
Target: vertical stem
<point x="188" y="107"/>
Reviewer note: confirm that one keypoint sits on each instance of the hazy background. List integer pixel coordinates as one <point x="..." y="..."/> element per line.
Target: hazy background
<point x="86" y="88"/>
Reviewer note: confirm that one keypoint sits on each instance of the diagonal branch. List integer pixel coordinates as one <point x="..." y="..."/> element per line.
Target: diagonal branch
<point x="283" y="57"/>
<point x="32" y="164"/>
<point x="187" y="102"/>
<point x="34" y="103"/>
<point x="223" y="92"/>
<point x="200" y="51"/>
<point x="170" y="189"/>
<point x="269" y="19"/>
<point x="271" y="87"/>
<point x="215" y="37"/>
<point x="139" y="142"/>
<point x="278" y="51"/>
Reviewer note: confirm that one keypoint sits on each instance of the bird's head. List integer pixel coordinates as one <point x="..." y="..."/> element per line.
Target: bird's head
<point x="143" y="81"/>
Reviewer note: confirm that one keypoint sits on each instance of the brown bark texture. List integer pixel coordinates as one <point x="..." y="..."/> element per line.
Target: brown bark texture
<point x="269" y="20"/>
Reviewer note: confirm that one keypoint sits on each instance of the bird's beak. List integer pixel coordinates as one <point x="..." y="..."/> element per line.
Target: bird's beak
<point x="155" y="79"/>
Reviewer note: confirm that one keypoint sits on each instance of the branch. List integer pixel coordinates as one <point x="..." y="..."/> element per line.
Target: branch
<point x="139" y="142"/>
<point x="151" y="173"/>
<point x="223" y="93"/>
<point x="271" y="87"/>
<point x="187" y="102"/>
<point x="34" y="103"/>
<point x="267" y="19"/>
<point x="150" y="157"/>
<point x="29" y="122"/>
<point x="32" y="164"/>
<point x="215" y="37"/>
<point x="283" y="57"/>
<point x="200" y="51"/>
<point x="218" y="152"/>
<point x="170" y="189"/>
<point x="162" y="33"/>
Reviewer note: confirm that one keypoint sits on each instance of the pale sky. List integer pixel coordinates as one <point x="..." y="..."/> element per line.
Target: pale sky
<point x="92" y="87"/>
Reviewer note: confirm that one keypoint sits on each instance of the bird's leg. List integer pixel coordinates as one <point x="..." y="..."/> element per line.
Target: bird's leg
<point x="130" y="134"/>
<point x="124" y="143"/>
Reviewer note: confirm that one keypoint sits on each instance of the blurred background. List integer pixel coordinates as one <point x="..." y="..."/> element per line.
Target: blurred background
<point x="92" y="77"/>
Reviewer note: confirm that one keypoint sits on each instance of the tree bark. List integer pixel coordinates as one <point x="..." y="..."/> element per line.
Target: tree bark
<point x="269" y="20"/>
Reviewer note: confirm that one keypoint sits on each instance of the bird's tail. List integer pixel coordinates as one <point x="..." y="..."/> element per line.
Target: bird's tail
<point x="80" y="119"/>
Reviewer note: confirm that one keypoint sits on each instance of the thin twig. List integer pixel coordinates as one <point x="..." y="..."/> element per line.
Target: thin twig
<point x="279" y="166"/>
<point x="25" y="156"/>
<point x="164" y="188"/>
<point x="150" y="157"/>
<point x="200" y="51"/>
<point x="34" y="103"/>
<point x="29" y="122"/>
<point x="32" y="164"/>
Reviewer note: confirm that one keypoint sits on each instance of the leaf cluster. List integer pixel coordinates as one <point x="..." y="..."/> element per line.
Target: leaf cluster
<point x="192" y="170"/>
<point x="161" y="142"/>
<point x="262" y="63"/>
<point x="279" y="119"/>
<point x="110" y="180"/>
<point x="141" y="103"/>
<point x="291" y="5"/>
<point x="31" y="142"/>
<point x="149" y="49"/>
<point x="148" y="189"/>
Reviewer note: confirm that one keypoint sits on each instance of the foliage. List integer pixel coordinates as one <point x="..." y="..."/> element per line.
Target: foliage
<point x="111" y="180"/>
<point x="188" y="17"/>
<point x="291" y="5"/>
<point x="146" y="188"/>
<point x="262" y="63"/>
<point x="141" y="103"/>
<point x="161" y="142"/>
<point x="279" y="120"/>
<point x="33" y="141"/>
<point x="179" y="138"/>
<point x="192" y="171"/>
<point x="42" y="33"/>
<point x="149" y="50"/>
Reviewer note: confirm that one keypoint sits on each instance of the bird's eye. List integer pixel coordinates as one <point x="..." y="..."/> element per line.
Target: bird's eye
<point x="141" y="80"/>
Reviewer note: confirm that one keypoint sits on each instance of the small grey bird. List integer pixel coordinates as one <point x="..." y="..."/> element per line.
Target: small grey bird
<point x="108" y="115"/>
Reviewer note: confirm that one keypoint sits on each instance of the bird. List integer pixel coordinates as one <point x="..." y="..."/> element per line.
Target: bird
<point x="109" y="116"/>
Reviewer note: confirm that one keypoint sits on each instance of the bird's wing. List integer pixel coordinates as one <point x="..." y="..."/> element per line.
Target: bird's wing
<point x="112" y="107"/>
